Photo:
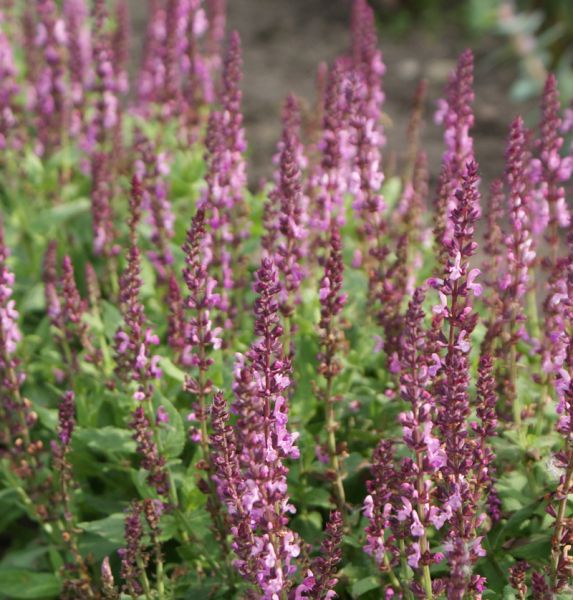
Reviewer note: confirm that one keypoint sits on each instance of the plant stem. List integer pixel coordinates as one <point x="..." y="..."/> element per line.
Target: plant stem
<point x="159" y="569"/>
<point x="143" y="579"/>
<point x="426" y="577"/>
<point x="556" y="541"/>
<point x="331" y="427"/>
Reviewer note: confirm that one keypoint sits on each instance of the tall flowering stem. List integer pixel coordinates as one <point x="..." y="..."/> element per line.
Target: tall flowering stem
<point x="410" y="213"/>
<point x="73" y="309"/>
<point x="201" y="338"/>
<point x="51" y="85"/>
<point x="328" y="181"/>
<point x="17" y="416"/>
<point x="152" y="169"/>
<point x="121" y="45"/>
<point x="418" y="429"/>
<point x="290" y="219"/>
<point x="231" y="487"/>
<point x="493" y="243"/>
<point x="485" y="429"/>
<point x="332" y="301"/>
<point x="456" y="115"/>
<point x="9" y="88"/>
<point x="102" y="128"/>
<point x="235" y="145"/>
<point x="217" y="204"/>
<point x="551" y="168"/>
<point x="368" y="202"/>
<point x="106" y="117"/>
<point x="134" y="359"/>
<point x="320" y="578"/>
<point x="81" y="583"/>
<point x="381" y="542"/>
<point x="79" y="45"/>
<point x="455" y="314"/>
<point x="520" y="256"/>
<point x="561" y="567"/>
<point x="367" y="62"/>
<point x="134" y="558"/>
<point x="261" y="382"/>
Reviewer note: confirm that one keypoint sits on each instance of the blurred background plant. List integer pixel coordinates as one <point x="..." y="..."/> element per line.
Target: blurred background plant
<point x="536" y="33"/>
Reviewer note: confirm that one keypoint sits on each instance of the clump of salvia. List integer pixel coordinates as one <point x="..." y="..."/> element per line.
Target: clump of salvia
<point x="286" y="393"/>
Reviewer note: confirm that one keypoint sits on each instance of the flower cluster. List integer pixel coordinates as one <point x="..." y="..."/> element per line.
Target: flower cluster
<point x="133" y="340"/>
<point x="261" y="385"/>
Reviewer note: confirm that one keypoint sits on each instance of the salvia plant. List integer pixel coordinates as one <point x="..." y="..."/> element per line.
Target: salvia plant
<point x="345" y="382"/>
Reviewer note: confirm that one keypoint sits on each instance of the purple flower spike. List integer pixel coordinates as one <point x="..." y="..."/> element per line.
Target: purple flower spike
<point x="233" y="119"/>
<point x="377" y="504"/>
<point x="8" y="92"/>
<point x="255" y="478"/>
<point x="50" y="87"/>
<point x="151" y="460"/>
<point x="175" y="320"/>
<point x="485" y="430"/>
<point x="152" y="168"/>
<point x="73" y="309"/>
<point x="332" y="301"/>
<point x="290" y="218"/>
<point x="456" y="290"/>
<point x="121" y="46"/>
<point x="9" y="331"/>
<point x="291" y="129"/>
<point x="200" y="337"/>
<point x="320" y="578"/>
<point x="107" y="115"/>
<point x="551" y="169"/>
<point x="520" y="245"/>
<point x="79" y="46"/>
<point x="455" y="113"/>
<point x="133" y="558"/>
<point x="367" y="62"/>
<point x="66" y="418"/>
<point x="15" y="410"/>
<point x="133" y="340"/>
<point x="493" y="246"/>
<point x="152" y="73"/>
<point x="329" y="181"/>
<point x="50" y="279"/>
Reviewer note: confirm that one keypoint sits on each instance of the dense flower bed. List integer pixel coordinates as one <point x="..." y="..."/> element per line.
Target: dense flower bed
<point x="332" y="386"/>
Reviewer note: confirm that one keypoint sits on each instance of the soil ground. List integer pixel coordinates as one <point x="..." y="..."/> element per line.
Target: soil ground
<point x="285" y="40"/>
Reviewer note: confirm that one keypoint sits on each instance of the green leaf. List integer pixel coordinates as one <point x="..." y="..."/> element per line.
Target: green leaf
<point x="19" y="583"/>
<point x="516" y="522"/>
<point x="57" y="215"/>
<point x="172" y="433"/>
<point x="171" y="370"/>
<point x="25" y="558"/>
<point x="537" y="547"/>
<point x="111" y="318"/>
<point x="110" y="440"/>
<point x="308" y="525"/>
<point x="111" y="528"/>
<point x="364" y="586"/>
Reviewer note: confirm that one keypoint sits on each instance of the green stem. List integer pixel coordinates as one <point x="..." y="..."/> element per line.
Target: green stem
<point x="426" y="577"/>
<point x="516" y="404"/>
<point x="334" y="461"/>
<point x="556" y="541"/>
<point x="159" y="570"/>
<point x="405" y="570"/>
<point x="143" y="579"/>
<point x="393" y="579"/>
